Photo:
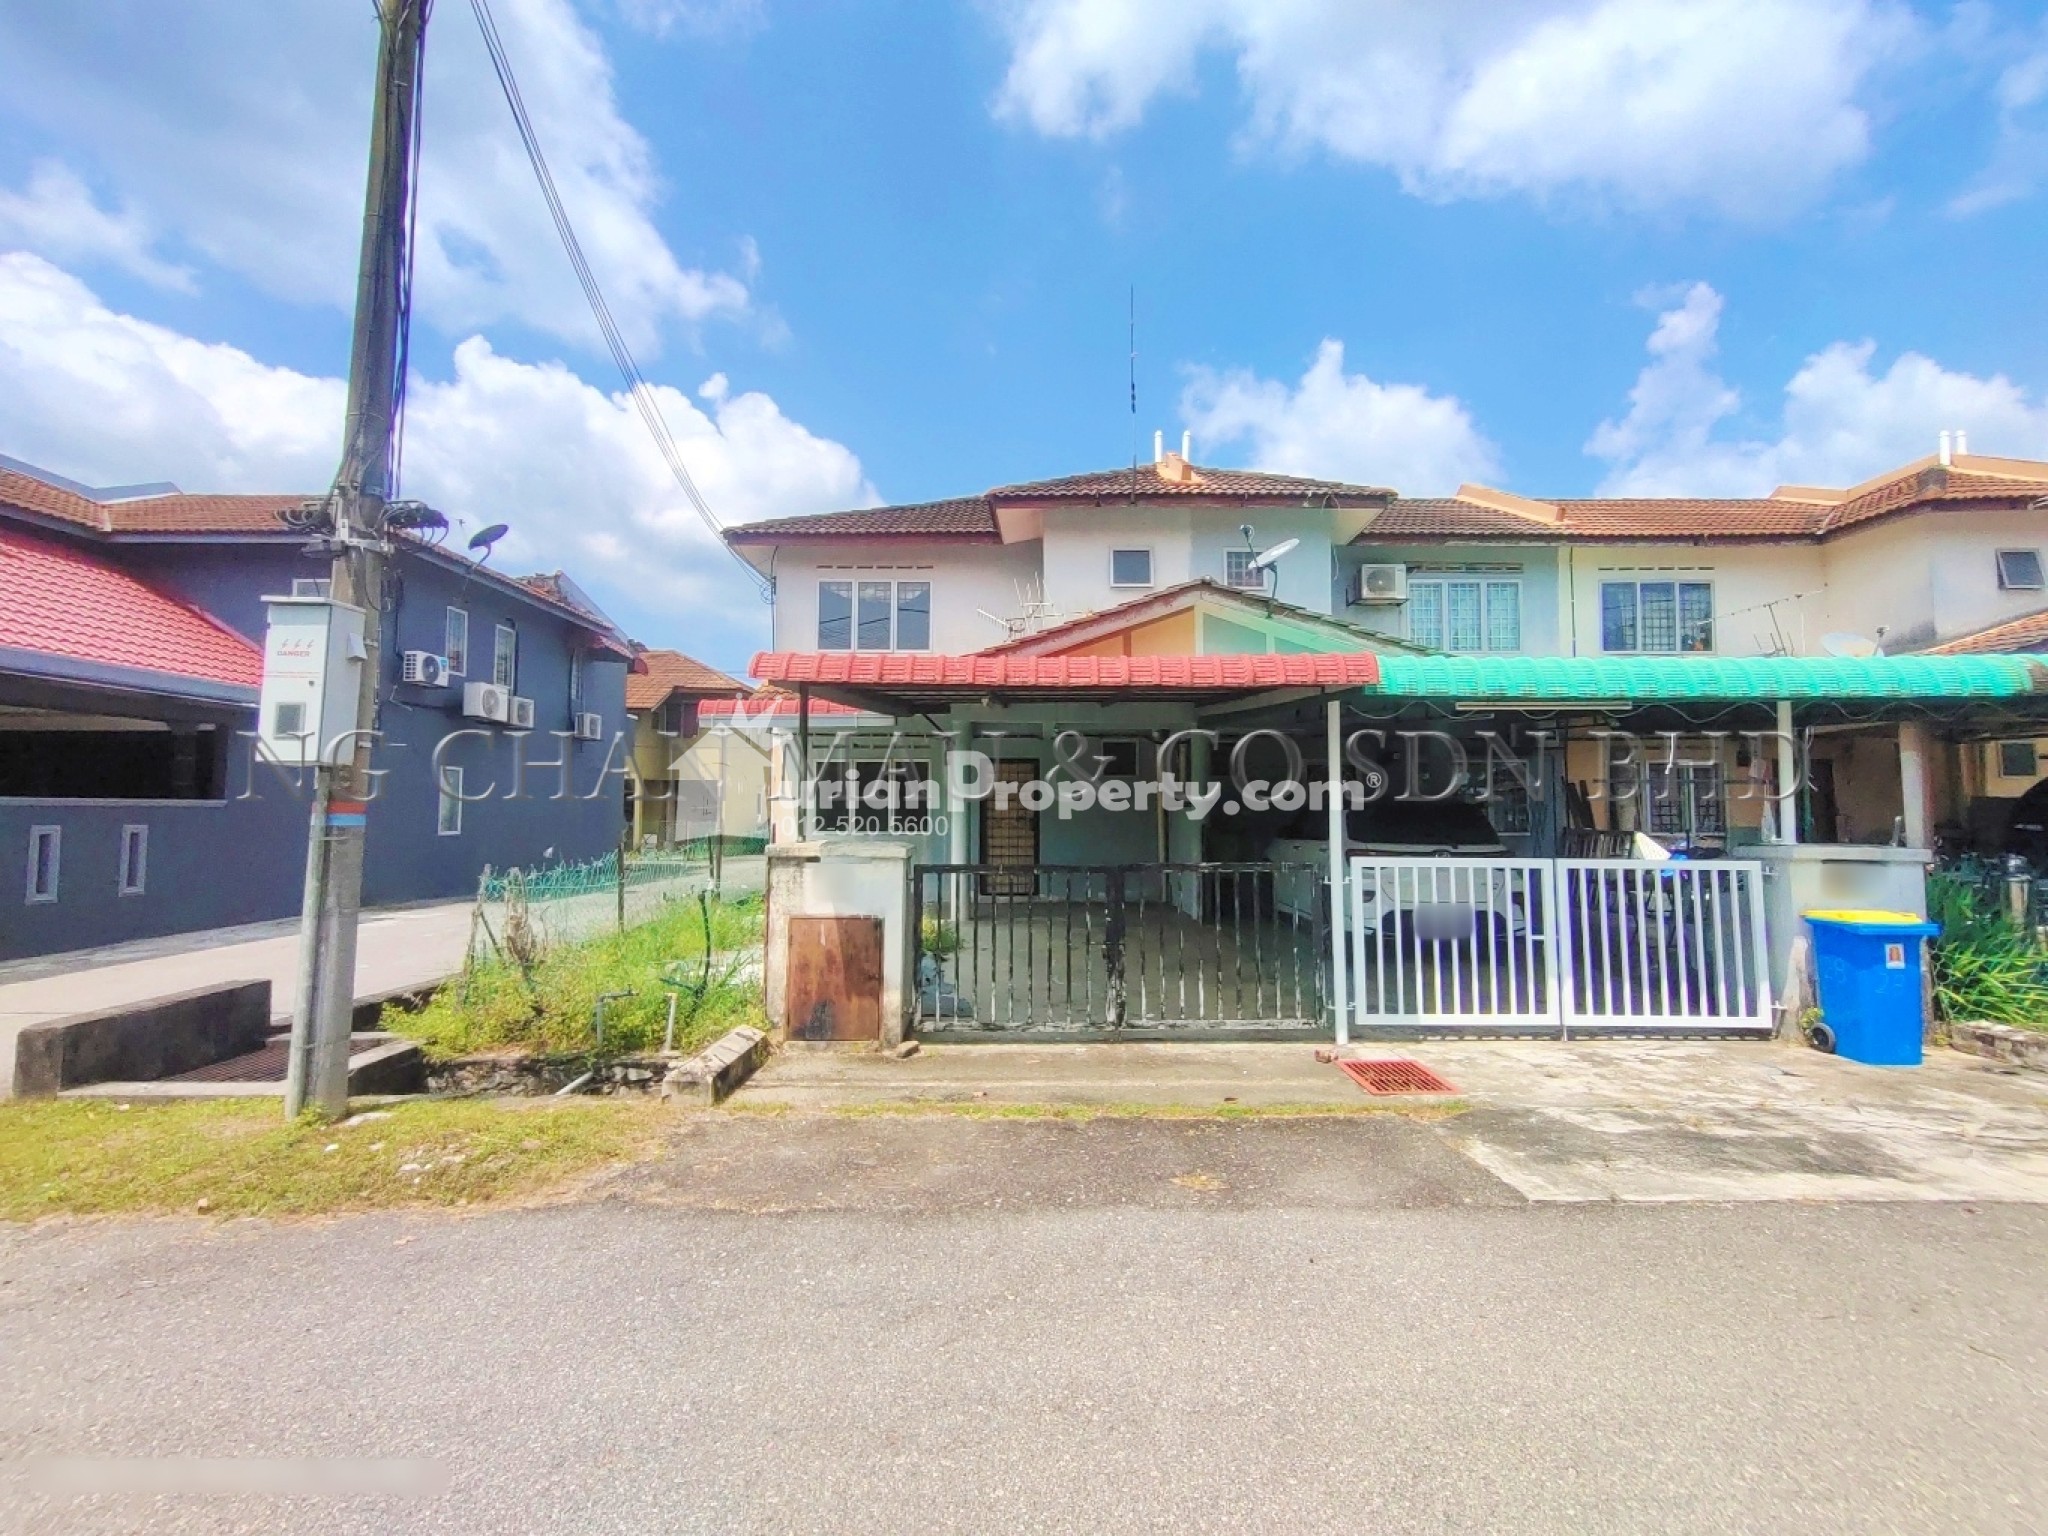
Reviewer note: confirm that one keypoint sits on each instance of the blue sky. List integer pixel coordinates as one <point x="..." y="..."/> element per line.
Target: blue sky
<point x="883" y="250"/>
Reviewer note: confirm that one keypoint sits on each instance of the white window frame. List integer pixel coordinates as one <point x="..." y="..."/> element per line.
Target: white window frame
<point x="458" y="655"/>
<point x="133" y="876"/>
<point x="2021" y="586"/>
<point x="1151" y="568"/>
<point x="853" y="581"/>
<point x="2033" y="770"/>
<point x="1483" y="580"/>
<point x="450" y="797"/>
<point x="505" y="657"/>
<point x="1674" y="580"/>
<point x="36" y="836"/>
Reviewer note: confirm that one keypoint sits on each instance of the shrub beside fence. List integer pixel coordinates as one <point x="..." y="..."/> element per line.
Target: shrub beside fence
<point x="521" y="914"/>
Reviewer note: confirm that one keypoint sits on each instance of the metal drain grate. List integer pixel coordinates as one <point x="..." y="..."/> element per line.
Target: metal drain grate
<point x="266" y="1064"/>
<point x="1396" y="1075"/>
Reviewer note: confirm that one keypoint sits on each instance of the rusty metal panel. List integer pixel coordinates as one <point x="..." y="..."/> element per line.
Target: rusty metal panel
<point x="835" y="978"/>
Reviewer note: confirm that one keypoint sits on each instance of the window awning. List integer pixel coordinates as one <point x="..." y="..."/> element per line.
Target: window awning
<point x="1696" y="679"/>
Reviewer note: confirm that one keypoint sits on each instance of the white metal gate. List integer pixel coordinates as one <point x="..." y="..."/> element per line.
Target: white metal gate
<point x="1570" y="946"/>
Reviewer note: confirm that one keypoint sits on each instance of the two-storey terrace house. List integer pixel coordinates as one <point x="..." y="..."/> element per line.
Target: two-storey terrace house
<point x="1165" y="559"/>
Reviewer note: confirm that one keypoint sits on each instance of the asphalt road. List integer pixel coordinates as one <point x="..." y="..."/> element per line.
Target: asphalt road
<point x="1165" y="1327"/>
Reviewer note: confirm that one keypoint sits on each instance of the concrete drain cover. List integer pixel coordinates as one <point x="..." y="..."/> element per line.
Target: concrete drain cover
<point x="1396" y="1075"/>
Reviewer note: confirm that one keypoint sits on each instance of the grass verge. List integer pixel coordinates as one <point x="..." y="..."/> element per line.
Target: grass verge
<point x="236" y="1157"/>
<point x="981" y="1109"/>
<point x="549" y="1006"/>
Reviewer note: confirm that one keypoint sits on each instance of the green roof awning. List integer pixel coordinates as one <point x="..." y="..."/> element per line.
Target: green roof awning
<point x="1674" y="679"/>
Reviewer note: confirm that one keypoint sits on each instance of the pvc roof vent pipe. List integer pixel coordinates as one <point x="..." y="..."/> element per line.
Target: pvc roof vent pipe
<point x="1187" y="446"/>
<point x="1159" y="447"/>
<point x="1947" y="456"/>
<point x="1962" y="442"/>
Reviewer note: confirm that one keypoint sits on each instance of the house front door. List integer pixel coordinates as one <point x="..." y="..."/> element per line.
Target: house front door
<point x="1009" y="834"/>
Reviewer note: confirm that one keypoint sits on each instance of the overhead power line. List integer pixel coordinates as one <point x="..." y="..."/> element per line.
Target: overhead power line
<point x="615" y="342"/>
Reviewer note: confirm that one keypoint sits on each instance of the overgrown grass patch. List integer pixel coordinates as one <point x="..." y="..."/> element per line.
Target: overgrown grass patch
<point x="1987" y="969"/>
<point x="239" y="1157"/>
<point x="550" y="1006"/>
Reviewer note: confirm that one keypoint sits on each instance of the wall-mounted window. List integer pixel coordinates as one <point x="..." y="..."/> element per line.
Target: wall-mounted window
<point x="1670" y="799"/>
<point x="455" y="642"/>
<point x="449" y="823"/>
<point x="2019" y="570"/>
<point x="1460" y="613"/>
<point x="2018" y="760"/>
<point x="505" y="657"/>
<point x="134" y="872"/>
<point x="886" y="797"/>
<point x="1238" y="571"/>
<point x="874" y="615"/>
<point x="1130" y="567"/>
<point x="1676" y="616"/>
<point x="45" y="853"/>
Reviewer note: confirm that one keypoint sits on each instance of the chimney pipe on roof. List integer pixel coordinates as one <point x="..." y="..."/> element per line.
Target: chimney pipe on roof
<point x="1947" y="456"/>
<point x="1187" y="445"/>
<point x="1962" y="442"/>
<point x="1159" y="447"/>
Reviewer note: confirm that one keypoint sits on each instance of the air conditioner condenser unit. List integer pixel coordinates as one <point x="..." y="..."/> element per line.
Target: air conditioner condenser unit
<point x="424" y="669"/>
<point x="1380" y="584"/>
<point x="520" y="716"/>
<point x="590" y="726"/>
<point x="486" y="701"/>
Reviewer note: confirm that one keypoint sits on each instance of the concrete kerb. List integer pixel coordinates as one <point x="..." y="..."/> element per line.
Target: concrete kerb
<point x="156" y="1038"/>
<point x="2026" y="1048"/>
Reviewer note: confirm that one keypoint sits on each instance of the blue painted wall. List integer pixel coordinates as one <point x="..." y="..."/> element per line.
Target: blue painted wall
<point x="210" y="864"/>
<point x="241" y="860"/>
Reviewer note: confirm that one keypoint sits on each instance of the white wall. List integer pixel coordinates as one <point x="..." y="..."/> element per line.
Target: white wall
<point x="1187" y="544"/>
<point x="964" y="578"/>
<point x="1745" y="577"/>
<point x="1930" y="577"/>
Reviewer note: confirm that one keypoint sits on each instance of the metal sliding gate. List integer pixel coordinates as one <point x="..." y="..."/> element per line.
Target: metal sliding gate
<point x="1570" y="946"/>
<point x="1171" y="949"/>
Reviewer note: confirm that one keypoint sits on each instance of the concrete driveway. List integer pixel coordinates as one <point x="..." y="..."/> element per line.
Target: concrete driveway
<point x="1631" y="1120"/>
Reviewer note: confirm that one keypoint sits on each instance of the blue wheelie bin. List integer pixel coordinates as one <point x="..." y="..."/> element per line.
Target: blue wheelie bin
<point x="1871" y="993"/>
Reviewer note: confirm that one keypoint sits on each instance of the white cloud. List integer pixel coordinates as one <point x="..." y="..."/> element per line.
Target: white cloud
<point x="1842" y="421"/>
<point x="56" y="214"/>
<point x="1335" y="425"/>
<point x="107" y="398"/>
<point x="702" y="18"/>
<point x="1743" y="106"/>
<point x="2019" y="159"/>
<point x="243" y="130"/>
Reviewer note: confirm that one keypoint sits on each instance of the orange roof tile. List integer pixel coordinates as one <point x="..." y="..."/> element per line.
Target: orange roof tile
<point x="671" y="672"/>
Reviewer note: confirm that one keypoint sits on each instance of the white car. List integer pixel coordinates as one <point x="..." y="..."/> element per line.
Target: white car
<point x="1396" y="829"/>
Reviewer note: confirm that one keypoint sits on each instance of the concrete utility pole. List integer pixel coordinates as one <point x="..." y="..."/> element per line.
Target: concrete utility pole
<point x="317" y="1076"/>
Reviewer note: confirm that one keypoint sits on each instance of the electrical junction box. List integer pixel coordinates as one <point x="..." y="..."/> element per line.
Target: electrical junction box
<point x="313" y="656"/>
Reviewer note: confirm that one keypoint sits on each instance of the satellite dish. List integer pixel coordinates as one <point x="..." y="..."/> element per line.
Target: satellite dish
<point x="1843" y="643"/>
<point x="1270" y="557"/>
<point x="484" y="538"/>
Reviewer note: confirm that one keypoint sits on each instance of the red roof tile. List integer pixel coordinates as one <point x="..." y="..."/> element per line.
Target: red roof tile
<point x="964" y="517"/>
<point x="670" y="672"/>
<point x="59" y="600"/>
<point x="2024" y="636"/>
<point x="1145" y="481"/>
<point x="177" y="513"/>
<point x="895" y="670"/>
<point x="1682" y="517"/>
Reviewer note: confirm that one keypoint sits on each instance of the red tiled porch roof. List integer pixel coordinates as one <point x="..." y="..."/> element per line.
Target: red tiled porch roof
<point x="899" y="675"/>
<point x="58" y="600"/>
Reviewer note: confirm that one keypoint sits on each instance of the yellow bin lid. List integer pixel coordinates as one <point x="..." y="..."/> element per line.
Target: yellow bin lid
<point x="1866" y="915"/>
